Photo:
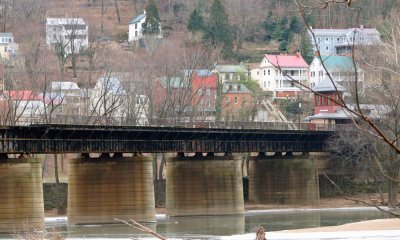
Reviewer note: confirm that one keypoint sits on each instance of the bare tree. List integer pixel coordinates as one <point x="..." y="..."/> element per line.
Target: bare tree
<point x="383" y="126"/>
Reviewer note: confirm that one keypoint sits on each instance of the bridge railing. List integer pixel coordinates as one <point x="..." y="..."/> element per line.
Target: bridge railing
<point x="175" y="122"/>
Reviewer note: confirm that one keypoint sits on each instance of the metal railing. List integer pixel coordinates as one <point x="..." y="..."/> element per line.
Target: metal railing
<point x="176" y="122"/>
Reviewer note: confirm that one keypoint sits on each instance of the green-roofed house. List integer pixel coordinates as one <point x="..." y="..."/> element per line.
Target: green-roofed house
<point x="340" y="68"/>
<point x="230" y="72"/>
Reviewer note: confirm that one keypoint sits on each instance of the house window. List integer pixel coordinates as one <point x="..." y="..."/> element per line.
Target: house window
<point x="269" y="84"/>
<point x="135" y="25"/>
<point x="230" y="88"/>
<point x="332" y="40"/>
<point x="264" y="72"/>
<point x="327" y="48"/>
<point x="326" y="40"/>
<point x="135" y="33"/>
<point x="208" y="92"/>
<point x="318" y="40"/>
<point x="258" y="72"/>
<point x="269" y="72"/>
<point x="320" y="73"/>
<point x="337" y="40"/>
<point x="312" y="74"/>
<point x="265" y="85"/>
<point x="238" y="87"/>
<point x="292" y="73"/>
<point x="236" y="100"/>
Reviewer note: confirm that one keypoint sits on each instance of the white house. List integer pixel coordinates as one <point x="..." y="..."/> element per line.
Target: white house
<point x="8" y="48"/>
<point x="277" y="72"/>
<point x="112" y="98"/>
<point x="340" y="68"/>
<point x="69" y="34"/>
<point x="136" y="28"/>
<point x="68" y="95"/>
<point x="340" y="41"/>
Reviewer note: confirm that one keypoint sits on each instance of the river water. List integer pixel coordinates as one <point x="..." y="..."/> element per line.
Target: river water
<point x="218" y="226"/>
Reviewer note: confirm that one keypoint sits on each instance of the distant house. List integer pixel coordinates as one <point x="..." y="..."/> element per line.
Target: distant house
<point x="68" y="95"/>
<point x="109" y="98"/>
<point x="326" y="111"/>
<point x="340" y="41"/>
<point x="340" y="68"/>
<point x="22" y="107"/>
<point x="277" y="72"/>
<point x="136" y="28"/>
<point x="204" y="94"/>
<point x="228" y="73"/>
<point x="172" y="95"/>
<point x="70" y="35"/>
<point x="8" y="48"/>
<point x="237" y="100"/>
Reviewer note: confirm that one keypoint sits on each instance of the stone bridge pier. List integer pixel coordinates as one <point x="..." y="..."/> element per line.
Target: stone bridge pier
<point x="204" y="184"/>
<point x="104" y="188"/>
<point x="21" y="194"/>
<point x="283" y="179"/>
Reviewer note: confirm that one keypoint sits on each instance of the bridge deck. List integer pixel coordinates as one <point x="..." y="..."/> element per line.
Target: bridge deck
<point x="49" y="138"/>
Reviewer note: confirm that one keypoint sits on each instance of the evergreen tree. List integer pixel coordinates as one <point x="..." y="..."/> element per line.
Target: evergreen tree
<point x="294" y="25"/>
<point x="306" y="49"/>
<point x="152" y="23"/>
<point x="196" y="21"/>
<point x="219" y="31"/>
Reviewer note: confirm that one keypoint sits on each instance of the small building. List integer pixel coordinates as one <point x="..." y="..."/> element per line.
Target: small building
<point x="237" y="101"/>
<point x="281" y="74"/>
<point x="8" y="48"/>
<point x="340" y="68"/>
<point x="229" y="73"/>
<point x="70" y="35"/>
<point x="68" y="95"/>
<point x="135" y="31"/>
<point x="340" y="41"/>
<point x="204" y="92"/>
<point x="326" y="111"/>
<point x="109" y="98"/>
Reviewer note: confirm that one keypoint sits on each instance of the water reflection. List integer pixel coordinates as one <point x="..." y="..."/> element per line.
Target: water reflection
<point x="211" y="227"/>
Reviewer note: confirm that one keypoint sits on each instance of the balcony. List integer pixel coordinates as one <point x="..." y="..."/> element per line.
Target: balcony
<point x="294" y="77"/>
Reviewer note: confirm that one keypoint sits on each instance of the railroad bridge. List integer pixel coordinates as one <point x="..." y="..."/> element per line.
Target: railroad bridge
<point x="112" y="175"/>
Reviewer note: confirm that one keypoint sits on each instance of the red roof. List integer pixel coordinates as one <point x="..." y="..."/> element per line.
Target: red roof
<point x="295" y="61"/>
<point x="22" y="95"/>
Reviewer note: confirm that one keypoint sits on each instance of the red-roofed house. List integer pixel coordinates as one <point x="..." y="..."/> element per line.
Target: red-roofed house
<point x="276" y="72"/>
<point x="204" y="92"/>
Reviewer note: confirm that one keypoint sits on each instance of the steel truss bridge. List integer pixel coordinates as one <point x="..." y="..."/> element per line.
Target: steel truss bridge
<point x="59" y="138"/>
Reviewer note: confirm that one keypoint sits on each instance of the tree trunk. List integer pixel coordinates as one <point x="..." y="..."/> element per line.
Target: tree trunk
<point x="117" y="9"/>
<point x="162" y="163"/>
<point x="393" y="188"/>
<point x="56" y="169"/>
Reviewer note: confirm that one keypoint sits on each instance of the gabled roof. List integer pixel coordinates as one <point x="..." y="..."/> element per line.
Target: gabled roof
<point x="230" y="68"/>
<point x="64" y="86"/>
<point x="137" y="19"/>
<point x="336" y="63"/>
<point x="174" y="82"/>
<point x="21" y="95"/>
<point x="234" y="90"/>
<point x="111" y="85"/>
<point x="342" y="32"/>
<point x="339" y="114"/>
<point x="6" y="34"/>
<point x="282" y="61"/>
<point x="65" y="21"/>
<point x="199" y="72"/>
<point x="326" y="85"/>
